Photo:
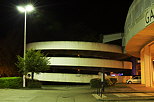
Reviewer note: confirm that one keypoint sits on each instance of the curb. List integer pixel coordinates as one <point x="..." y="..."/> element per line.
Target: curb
<point x="105" y="98"/>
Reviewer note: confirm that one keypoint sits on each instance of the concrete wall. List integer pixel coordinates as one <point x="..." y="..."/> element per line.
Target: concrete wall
<point x="89" y="62"/>
<point x="139" y="26"/>
<point x="121" y="79"/>
<point x="147" y="69"/>
<point x="74" y="45"/>
<point x="136" y="20"/>
<point x="76" y="78"/>
<point x="64" y="77"/>
<point x="112" y="37"/>
<point x="84" y="46"/>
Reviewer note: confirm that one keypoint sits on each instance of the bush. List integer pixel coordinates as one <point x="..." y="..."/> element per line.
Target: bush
<point x="33" y="84"/>
<point x="108" y="82"/>
<point x="11" y="82"/>
<point x="95" y="83"/>
<point x="113" y="80"/>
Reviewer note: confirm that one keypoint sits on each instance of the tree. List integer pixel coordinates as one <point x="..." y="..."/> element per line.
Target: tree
<point x="35" y="61"/>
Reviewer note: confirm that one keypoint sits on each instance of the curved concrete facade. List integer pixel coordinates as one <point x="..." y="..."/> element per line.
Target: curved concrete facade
<point x="139" y="37"/>
<point x="74" y="45"/>
<point x="139" y="26"/>
<point x="82" y="48"/>
<point x="65" y="77"/>
<point x="89" y="62"/>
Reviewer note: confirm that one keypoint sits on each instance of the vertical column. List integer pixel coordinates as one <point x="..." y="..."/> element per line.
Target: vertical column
<point x="148" y="67"/>
<point x="151" y="71"/>
<point x="142" y="66"/>
<point x="134" y="63"/>
<point x="151" y="67"/>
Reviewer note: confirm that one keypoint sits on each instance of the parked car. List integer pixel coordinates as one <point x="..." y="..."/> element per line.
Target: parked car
<point x="136" y="79"/>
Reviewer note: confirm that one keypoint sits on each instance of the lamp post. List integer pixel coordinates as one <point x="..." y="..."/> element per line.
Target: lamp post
<point x="25" y="9"/>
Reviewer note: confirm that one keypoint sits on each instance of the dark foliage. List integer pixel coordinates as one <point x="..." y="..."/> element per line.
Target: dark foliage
<point x="95" y="83"/>
<point x="34" y="61"/>
<point x="11" y="82"/>
<point x="33" y="84"/>
<point x="113" y="80"/>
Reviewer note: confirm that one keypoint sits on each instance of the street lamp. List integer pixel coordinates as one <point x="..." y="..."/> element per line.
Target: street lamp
<point x="25" y="9"/>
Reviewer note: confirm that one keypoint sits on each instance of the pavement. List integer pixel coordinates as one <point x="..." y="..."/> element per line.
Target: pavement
<point x="50" y="93"/>
<point x="79" y="93"/>
<point x="127" y="92"/>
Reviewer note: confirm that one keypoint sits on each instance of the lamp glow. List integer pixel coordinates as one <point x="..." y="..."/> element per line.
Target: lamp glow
<point x="27" y="8"/>
<point x="20" y="8"/>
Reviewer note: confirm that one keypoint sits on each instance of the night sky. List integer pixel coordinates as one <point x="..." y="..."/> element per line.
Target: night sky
<point x="57" y="20"/>
<point x="77" y="20"/>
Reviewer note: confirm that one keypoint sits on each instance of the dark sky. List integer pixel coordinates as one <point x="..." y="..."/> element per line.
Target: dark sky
<point x="64" y="19"/>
